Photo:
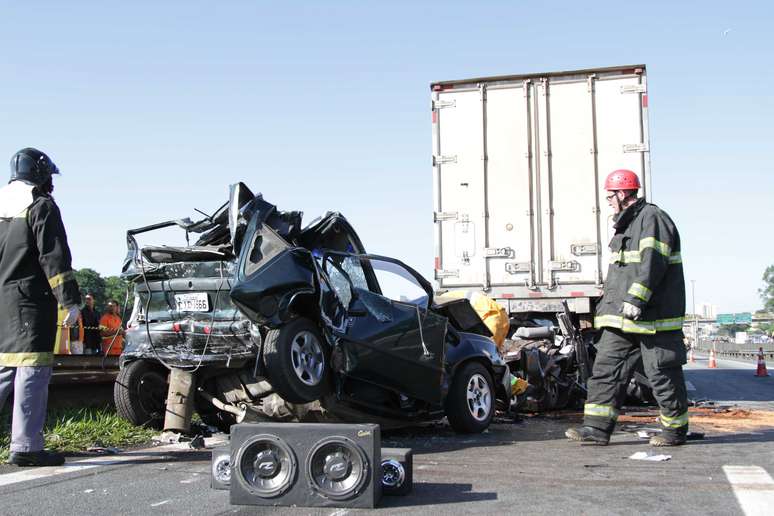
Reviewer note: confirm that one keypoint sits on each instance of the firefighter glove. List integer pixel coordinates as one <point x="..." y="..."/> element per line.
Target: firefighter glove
<point x="630" y="311"/>
<point x="72" y="316"/>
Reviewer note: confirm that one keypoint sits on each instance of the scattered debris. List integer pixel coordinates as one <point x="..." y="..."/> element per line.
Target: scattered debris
<point x="647" y="433"/>
<point x="88" y="491"/>
<point x="650" y="456"/>
<point x="197" y="443"/>
<point x="103" y="450"/>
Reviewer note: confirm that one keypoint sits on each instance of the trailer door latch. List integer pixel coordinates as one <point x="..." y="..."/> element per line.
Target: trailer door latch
<point x="440" y="216"/>
<point x="442" y="160"/>
<point x="518" y="267"/>
<point x="583" y="249"/>
<point x="499" y="252"/>
<point x="569" y="266"/>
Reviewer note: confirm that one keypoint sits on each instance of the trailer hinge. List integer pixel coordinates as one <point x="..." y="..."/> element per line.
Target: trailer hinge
<point x="518" y="267"/>
<point x="634" y="88"/>
<point x="440" y="216"/>
<point x="442" y="160"/>
<point x="440" y="104"/>
<point x="499" y="252"/>
<point x="440" y="274"/>
<point x="570" y="266"/>
<point x="635" y="147"/>
<point x="583" y="249"/>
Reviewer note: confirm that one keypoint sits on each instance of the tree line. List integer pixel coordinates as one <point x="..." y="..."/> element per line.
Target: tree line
<point x="102" y="289"/>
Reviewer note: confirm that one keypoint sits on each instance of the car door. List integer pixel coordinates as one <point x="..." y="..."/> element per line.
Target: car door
<point x="390" y="338"/>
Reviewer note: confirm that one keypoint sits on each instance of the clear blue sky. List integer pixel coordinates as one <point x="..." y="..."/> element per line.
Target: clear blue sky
<point x="152" y="108"/>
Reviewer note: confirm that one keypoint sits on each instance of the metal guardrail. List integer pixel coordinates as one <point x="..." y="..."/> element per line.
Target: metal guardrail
<point x="724" y="347"/>
<point x="733" y="350"/>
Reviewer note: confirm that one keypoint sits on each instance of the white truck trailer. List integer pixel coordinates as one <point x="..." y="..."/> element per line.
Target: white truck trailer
<point x="519" y="164"/>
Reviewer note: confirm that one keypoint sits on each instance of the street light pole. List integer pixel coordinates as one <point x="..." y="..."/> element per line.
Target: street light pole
<point x="695" y="319"/>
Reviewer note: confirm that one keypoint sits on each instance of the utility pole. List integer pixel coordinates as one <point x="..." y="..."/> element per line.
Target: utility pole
<point x="695" y="317"/>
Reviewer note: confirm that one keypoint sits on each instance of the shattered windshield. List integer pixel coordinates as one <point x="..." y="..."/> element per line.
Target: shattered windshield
<point x="345" y="272"/>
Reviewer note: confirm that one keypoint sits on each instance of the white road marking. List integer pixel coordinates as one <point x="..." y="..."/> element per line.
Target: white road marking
<point x="147" y="454"/>
<point x="753" y="488"/>
<point x="689" y="386"/>
<point x="159" y="503"/>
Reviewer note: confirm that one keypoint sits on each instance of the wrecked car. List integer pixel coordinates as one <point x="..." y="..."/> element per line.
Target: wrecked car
<point x="265" y="317"/>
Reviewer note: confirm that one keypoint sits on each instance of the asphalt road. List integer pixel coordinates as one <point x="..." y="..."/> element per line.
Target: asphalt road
<point x="733" y="382"/>
<point x="522" y="467"/>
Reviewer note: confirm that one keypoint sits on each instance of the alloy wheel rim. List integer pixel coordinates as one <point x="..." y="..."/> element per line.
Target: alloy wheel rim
<point x="307" y="357"/>
<point x="479" y="397"/>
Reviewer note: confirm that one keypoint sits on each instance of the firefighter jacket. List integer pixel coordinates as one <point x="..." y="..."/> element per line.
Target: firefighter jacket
<point x="35" y="275"/>
<point x="645" y="270"/>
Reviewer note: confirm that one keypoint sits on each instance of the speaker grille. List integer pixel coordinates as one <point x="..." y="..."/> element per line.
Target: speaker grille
<point x="266" y="465"/>
<point x="337" y="468"/>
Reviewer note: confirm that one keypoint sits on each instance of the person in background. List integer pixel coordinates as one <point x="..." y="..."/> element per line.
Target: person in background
<point x="111" y="330"/>
<point x="90" y="332"/>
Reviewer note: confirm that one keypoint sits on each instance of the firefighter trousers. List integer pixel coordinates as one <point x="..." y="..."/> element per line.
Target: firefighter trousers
<point x="663" y="356"/>
<point x="29" y="385"/>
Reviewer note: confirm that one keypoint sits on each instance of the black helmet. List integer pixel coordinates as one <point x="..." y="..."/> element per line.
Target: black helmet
<point x="32" y="166"/>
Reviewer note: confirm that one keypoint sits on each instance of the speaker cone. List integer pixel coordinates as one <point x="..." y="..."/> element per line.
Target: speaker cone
<point x="337" y="468"/>
<point x="221" y="469"/>
<point x="266" y="465"/>
<point x="393" y="473"/>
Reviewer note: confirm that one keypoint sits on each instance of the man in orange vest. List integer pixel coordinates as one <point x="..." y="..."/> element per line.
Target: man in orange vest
<point x="111" y="330"/>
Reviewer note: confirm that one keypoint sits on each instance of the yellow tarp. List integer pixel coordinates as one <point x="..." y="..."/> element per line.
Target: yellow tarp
<point x="494" y="316"/>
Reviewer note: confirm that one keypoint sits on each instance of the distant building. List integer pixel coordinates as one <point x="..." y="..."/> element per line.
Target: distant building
<point x="708" y="311"/>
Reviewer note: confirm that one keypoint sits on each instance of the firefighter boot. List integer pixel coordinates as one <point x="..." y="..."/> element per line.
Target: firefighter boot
<point x="36" y="458"/>
<point x="587" y="434"/>
<point x="670" y="438"/>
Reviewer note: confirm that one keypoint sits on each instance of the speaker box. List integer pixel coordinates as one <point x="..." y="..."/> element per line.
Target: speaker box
<point x="397" y="472"/>
<point x="306" y="465"/>
<point x="220" y="469"/>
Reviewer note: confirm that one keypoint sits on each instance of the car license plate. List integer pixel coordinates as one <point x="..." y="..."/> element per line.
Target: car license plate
<point x="193" y="302"/>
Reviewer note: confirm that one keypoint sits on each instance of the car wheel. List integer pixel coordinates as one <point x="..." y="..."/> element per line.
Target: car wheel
<point x="297" y="361"/>
<point x="140" y="393"/>
<point x="470" y="402"/>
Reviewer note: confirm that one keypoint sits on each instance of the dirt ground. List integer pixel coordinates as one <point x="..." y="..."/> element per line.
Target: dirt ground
<point x="712" y="419"/>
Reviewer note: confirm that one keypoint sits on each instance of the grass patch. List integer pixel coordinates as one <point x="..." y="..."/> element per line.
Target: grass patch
<point x="74" y="430"/>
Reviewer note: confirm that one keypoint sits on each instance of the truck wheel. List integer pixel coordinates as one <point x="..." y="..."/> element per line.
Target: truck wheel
<point x="140" y="393"/>
<point x="470" y="402"/>
<point x="297" y="361"/>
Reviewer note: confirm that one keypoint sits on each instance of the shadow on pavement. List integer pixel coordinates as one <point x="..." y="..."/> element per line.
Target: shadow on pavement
<point x="438" y="493"/>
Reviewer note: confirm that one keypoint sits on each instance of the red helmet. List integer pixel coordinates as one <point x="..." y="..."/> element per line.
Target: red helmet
<point x="622" y="180"/>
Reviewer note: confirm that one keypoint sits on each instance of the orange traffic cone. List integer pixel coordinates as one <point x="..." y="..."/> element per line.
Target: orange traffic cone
<point x="761" y="371"/>
<point x="712" y="362"/>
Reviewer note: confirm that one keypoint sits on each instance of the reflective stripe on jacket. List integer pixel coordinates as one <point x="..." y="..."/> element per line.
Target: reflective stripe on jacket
<point x="35" y="275"/>
<point x="645" y="270"/>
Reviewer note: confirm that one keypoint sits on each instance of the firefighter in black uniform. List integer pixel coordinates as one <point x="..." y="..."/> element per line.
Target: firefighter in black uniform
<point x="640" y="313"/>
<point x="35" y="276"/>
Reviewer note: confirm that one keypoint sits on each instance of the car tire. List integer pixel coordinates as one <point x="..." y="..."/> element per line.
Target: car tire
<point x="297" y="361"/>
<point x="470" y="403"/>
<point x="140" y="393"/>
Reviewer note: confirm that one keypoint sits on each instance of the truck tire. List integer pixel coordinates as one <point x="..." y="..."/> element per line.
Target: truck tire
<point x="298" y="361"/>
<point x="470" y="403"/>
<point x="140" y="393"/>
